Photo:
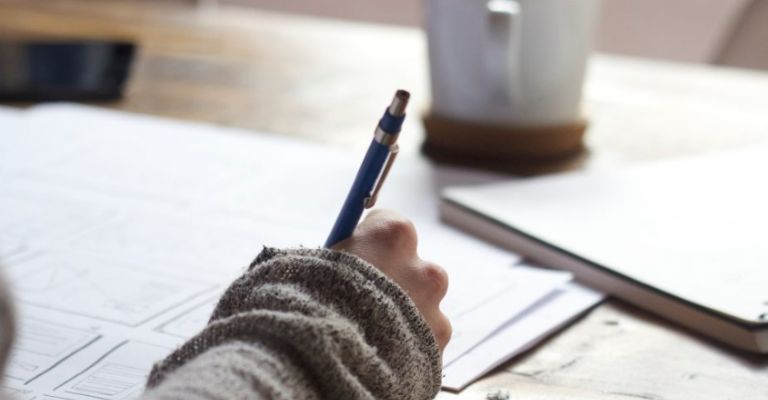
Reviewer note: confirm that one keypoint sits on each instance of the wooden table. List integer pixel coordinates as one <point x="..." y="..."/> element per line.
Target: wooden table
<point x="324" y="80"/>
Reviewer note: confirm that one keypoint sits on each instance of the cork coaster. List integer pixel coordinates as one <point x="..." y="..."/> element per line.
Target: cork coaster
<point x="468" y="143"/>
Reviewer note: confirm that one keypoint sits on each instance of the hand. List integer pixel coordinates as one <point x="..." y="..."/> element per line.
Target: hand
<point x="388" y="241"/>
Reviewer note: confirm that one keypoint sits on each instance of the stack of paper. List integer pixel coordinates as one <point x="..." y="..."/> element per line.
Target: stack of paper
<point x="118" y="232"/>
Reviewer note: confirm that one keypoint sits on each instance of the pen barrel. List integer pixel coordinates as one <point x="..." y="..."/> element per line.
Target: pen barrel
<point x="353" y="207"/>
<point x="367" y="176"/>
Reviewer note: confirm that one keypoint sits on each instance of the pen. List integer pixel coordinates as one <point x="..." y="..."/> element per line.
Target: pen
<point x="373" y="171"/>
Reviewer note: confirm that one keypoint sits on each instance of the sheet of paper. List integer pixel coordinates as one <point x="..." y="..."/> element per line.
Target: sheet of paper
<point x="520" y="334"/>
<point x="41" y="344"/>
<point x="10" y="134"/>
<point x="125" y="229"/>
<point x="57" y="348"/>
<point x="478" y="323"/>
<point x="110" y="289"/>
<point x="119" y="374"/>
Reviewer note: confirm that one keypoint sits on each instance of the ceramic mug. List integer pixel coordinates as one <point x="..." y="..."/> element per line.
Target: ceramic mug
<point x="509" y="62"/>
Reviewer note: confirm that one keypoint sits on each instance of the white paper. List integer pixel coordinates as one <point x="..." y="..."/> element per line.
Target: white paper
<point x="120" y="374"/>
<point x="41" y="344"/>
<point x="10" y="135"/>
<point x="476" y="324"/>
<point x="520" y="334"/>
<point x="190" y="321"/>
<point x="105" y="289"/>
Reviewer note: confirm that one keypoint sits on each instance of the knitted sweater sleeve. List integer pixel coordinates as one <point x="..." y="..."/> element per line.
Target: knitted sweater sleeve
<point x="306" y="324"/>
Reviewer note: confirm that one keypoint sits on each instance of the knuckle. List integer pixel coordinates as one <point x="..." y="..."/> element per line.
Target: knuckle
<point x="401" y="227"/>
<point x="395" y="232"/>
<point x="437" y="279"/>
<point x="443" y="331"/>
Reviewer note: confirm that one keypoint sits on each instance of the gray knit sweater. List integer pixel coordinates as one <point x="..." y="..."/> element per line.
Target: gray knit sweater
<point x="306" y="324"/>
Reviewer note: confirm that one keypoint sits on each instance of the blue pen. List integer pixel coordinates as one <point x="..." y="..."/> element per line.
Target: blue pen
<point x="374" y="169"/>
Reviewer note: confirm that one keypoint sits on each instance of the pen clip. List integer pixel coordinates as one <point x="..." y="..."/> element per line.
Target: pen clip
<point x="370" y="201"/>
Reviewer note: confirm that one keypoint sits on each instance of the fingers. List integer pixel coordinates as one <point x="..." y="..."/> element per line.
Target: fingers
<point x="430" y="284"/>
<point x="388" y="240"/>
<point x="434" y="280"/>
<point x="441" y="329"/>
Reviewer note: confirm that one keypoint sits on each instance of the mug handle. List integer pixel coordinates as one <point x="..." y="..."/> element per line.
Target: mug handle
<point x="502" y="55"/>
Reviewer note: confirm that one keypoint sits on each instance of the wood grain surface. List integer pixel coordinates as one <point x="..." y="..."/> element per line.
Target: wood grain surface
<point x="325" y="80"/>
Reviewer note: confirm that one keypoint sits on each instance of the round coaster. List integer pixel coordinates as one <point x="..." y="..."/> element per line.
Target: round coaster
<point x="461" y="142"/>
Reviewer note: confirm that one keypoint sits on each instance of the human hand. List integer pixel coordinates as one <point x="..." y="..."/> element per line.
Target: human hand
<point x="388" y="241"/>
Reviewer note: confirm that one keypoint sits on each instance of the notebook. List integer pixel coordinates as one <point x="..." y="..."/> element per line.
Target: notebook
<point x="685" y="239"/>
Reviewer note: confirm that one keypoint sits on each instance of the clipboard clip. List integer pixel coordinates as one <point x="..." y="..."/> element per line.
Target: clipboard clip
<point x="370" y="201"/>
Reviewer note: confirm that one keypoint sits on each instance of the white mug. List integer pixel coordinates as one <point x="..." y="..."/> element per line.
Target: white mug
<point x="511" y="62"/>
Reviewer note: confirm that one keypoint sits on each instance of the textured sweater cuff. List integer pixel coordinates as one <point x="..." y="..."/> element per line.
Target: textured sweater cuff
<point x="346" y="320"/>
<point x="371" y="276"/>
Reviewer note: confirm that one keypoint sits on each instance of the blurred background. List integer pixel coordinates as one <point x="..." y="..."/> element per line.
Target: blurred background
<point x="318" y="69"/>
<point x="726" y="32"/>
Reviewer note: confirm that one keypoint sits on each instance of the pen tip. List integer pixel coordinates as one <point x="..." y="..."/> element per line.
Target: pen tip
<point x="399" y="102"/>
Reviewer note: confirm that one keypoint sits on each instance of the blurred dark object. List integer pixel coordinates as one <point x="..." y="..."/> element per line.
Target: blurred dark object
<point x="39" y="70"/>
